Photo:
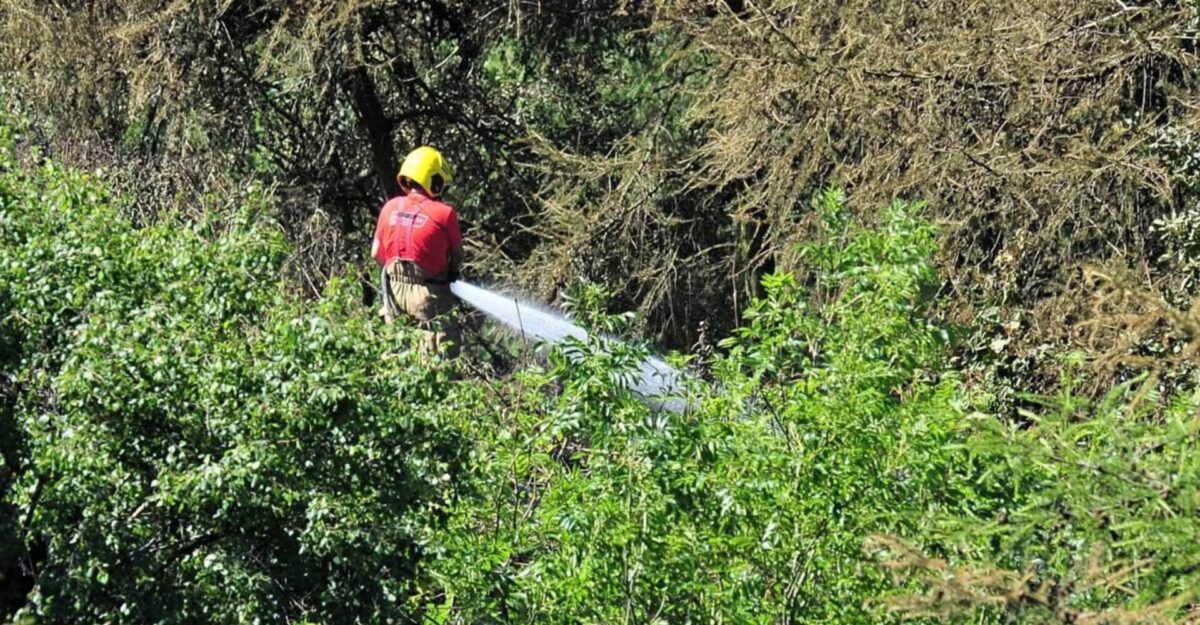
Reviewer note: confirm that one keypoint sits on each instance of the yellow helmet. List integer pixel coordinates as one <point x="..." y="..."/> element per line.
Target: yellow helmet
<point x="427" y="167"/>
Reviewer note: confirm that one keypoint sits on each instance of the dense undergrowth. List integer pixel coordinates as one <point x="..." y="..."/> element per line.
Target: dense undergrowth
<point x="186" y="440"/>
<point x="192" y="443"/>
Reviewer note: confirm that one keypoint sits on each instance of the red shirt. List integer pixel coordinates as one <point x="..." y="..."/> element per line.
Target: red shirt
<point x="414" y="227"/>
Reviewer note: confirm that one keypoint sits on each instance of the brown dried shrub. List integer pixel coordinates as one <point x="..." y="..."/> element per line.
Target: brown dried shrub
<point x="1028" y="128"/>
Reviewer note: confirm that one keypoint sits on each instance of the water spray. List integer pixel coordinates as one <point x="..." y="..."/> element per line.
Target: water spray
<point x="658" y="383"/>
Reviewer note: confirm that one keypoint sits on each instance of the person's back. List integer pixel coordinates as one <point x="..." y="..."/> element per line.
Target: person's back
<point x="418" y="243"/>
<point x="420" y="229"/>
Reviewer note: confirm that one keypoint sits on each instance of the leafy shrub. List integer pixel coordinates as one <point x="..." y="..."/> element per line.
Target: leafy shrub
<point x="1182" y="243"/>
<point x="751" y="508"/>
<point x="202" y="446"/>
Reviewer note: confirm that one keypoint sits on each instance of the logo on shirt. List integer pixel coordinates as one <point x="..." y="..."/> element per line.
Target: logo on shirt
<point x="404" y="220"/>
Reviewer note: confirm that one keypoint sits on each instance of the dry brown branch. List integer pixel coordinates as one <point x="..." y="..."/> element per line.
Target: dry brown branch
<point x="1131" y="327"/>
<point x="953" y="593"/>
<point x="1027" y="132"/>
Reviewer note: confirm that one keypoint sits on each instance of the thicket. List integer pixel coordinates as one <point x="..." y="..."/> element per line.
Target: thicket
<point x="199" y="422"/>
<point x="1043" y="137"/>
<point x="190" y="100"/>
<point x="186" y="439"/>
<point x="665" y="149"/>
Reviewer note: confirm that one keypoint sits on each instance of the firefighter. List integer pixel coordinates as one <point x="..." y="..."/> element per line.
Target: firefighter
<point x="419" y="246"/>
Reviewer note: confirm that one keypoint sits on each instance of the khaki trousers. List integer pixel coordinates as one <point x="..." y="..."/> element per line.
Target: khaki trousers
<point x="428" y="305"/>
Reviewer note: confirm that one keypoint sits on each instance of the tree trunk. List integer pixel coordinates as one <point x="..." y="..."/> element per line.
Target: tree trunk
<point x="374" y="123"/>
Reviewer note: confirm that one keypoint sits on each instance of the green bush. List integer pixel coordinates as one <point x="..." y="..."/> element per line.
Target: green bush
<point x="829" y="425"/>
<point x="838" y="472"/>
<point x="202" y="446"/>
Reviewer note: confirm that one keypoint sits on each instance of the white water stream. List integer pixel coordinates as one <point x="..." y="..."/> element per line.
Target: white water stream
<point x="656" y="381"/>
